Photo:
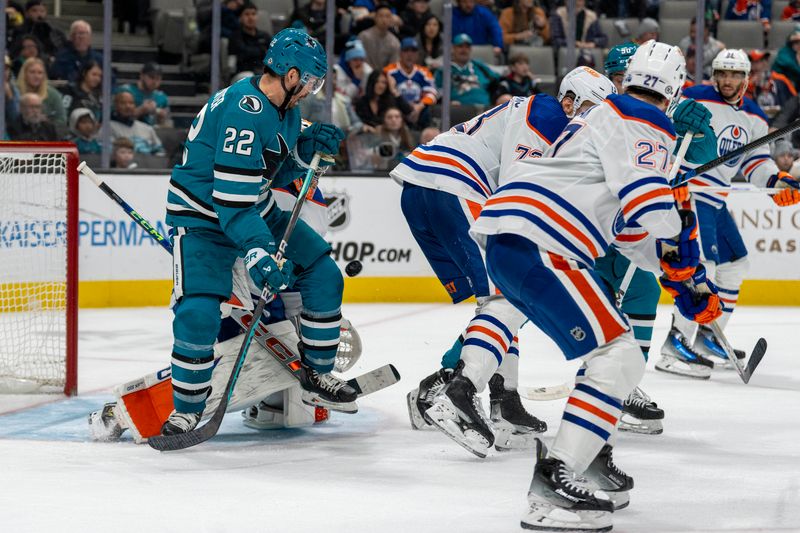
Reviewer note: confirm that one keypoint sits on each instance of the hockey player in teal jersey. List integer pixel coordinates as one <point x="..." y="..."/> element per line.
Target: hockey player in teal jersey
<point x="246" y="140"/>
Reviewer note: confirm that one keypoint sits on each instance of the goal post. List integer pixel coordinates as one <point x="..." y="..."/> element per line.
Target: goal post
<point x="38" y="267"/>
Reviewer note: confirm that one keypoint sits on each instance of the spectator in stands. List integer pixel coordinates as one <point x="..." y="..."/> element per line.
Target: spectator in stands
<point x="15" y="18"/>
<point x="430" y="40"/>
<point x="471" y="78"/>
<point x="396" y="141"/>
<point x="381" y="46"/>
<point x="152" y="104"/>
<point x="588" y="33"/>
<point x="12" y="95"/>
<point x="124" y="124"/>
<point x="33" y="79"/>
<point x="86" y="90"/>
<point x="428" y="134"/>
<point x="229" y="21"/>
<point x="83" y="130"/>
<point x="479" y="23"/>
<point x="313" y="108"/>
<point x="414" y="17"/>
<point x="313" y="16"/>
<point x="769" y="89"/>
<point x="520" y="80"/>
<point x="760" y="10"/>
<point x="26" y="47"/>
<point x="248" y="43"/>
<point x="122" y="155"/>
<point x="525" y="22"/>
<point x="414" y="83"/>
<point x="783" y="155"/>
<point x="33" y="124"/>
<point x="352" y="70"/>
<point x="711" y="46"/>
<point x="691" y="67"/>
<point x="788" y="60"/>
<point x="791" y="11"/>
<point x="647" y="30"/>
<point x="380" y="95"/>
<point x="52" y="39"/>
<point x="77" y="53"/>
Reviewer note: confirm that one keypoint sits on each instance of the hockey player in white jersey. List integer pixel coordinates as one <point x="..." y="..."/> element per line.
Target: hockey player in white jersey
<point x="544" y="228"/>
<point x="445" y="183"/>
<point x="689" y="350"/>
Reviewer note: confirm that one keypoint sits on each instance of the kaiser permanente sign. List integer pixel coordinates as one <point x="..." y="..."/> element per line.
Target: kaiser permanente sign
<point x="121" y="266"/>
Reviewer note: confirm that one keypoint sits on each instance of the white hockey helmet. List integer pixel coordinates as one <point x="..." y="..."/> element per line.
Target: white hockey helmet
<point x="587" y="85"/>
<point x="657" y="67"/>
<point x="734" y="60"/>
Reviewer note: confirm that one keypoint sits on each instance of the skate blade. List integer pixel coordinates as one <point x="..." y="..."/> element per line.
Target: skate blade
<point x="631" y="424"/>
<point x="681" y="368"/>
<point x="443" y="417"/>
<point x="341" y="407"/>
<point x="416" y="418"/>
<point x="548" y="517"/>
<point x="506" y="438"/>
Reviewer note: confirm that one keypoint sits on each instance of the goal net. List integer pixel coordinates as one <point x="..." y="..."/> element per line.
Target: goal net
<point x="38" y="267"/>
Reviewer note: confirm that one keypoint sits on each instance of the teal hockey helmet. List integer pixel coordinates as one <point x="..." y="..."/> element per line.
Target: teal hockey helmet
<point x="294" y="48"/>
<point x="618" y="56"/>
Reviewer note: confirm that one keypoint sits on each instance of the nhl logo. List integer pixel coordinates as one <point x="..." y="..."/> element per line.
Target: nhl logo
<point x="338" y="210"/>
<point x="577" y="333"/>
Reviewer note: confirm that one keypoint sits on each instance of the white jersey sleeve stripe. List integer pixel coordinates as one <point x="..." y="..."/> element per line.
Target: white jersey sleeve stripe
<point x="481" y="178"/>
<point x="473" y="184"/>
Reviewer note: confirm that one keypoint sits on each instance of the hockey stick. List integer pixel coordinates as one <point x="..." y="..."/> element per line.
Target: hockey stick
<point x="768" y="138"/>
<point x="745" y="371"/>
<point x="84" y="169"/>
<point x="735" y="187"/>
<point x="210" y="428"/>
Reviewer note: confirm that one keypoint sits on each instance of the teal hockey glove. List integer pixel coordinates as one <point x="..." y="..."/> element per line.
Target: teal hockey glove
<point x="264" y="270"/>
<point x="318" y="137"/>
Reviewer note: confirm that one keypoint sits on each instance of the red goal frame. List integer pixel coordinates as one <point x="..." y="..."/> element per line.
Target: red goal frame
<point x="72" y="160"/>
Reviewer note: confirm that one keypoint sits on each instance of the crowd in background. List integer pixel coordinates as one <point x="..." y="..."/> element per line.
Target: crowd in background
<point x="387" y="76"/>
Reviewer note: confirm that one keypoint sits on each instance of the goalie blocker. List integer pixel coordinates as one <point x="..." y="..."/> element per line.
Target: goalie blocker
<point x="270" y="396"/>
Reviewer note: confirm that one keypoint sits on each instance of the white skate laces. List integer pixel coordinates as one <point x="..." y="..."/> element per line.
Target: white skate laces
<point x="638" y="398"/>
<point x="329" y="382"/>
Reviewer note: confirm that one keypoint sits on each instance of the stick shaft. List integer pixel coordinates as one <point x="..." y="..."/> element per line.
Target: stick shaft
<point x="143" y="223"/>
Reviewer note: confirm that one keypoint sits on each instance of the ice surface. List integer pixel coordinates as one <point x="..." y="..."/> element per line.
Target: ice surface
<point x="729" y="458"/>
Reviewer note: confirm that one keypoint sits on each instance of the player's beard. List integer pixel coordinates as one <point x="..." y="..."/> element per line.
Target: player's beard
<point x="732" y="93"/>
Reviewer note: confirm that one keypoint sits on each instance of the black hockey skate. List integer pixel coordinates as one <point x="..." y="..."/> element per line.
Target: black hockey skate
<point x="606" y="476"/>
<point x="420" y="399"/>
<point x="326" y="390"/>
<point x="514" y="425"/>
<point x="559" y="503"/>
<point x="178" y="423"/>
<point x="458" y="413"/>
<point x="678" y="357"/>
<point x="706" y="343"/>
<point x="640" y="414"/>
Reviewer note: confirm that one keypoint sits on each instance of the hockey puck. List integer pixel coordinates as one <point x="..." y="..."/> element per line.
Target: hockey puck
<point x="353" y="268"/>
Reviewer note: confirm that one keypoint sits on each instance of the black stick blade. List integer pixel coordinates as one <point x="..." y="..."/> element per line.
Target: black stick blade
<point x="755" y="358"/>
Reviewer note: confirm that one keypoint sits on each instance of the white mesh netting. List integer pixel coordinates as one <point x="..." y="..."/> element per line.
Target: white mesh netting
<point x="33" y="266"/>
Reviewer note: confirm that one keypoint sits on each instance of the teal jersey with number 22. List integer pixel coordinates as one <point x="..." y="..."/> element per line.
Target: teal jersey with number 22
<point x="236" y="146"/>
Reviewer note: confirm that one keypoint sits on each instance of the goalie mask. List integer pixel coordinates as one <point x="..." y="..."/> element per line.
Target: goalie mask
<point x="584" y="84"/>
<point x="349" y="350"/>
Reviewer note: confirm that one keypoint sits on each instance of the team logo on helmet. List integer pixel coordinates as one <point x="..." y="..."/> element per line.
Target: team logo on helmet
<point x="251" y="104"/>
<point x="729" y="139"/>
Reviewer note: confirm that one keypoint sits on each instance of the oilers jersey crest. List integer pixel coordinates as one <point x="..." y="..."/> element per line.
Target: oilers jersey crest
<point x="234" y="149"/>
<point x="735" y="127"/>
<point x="606" y="172"/>
<point x="467" y="160"/>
